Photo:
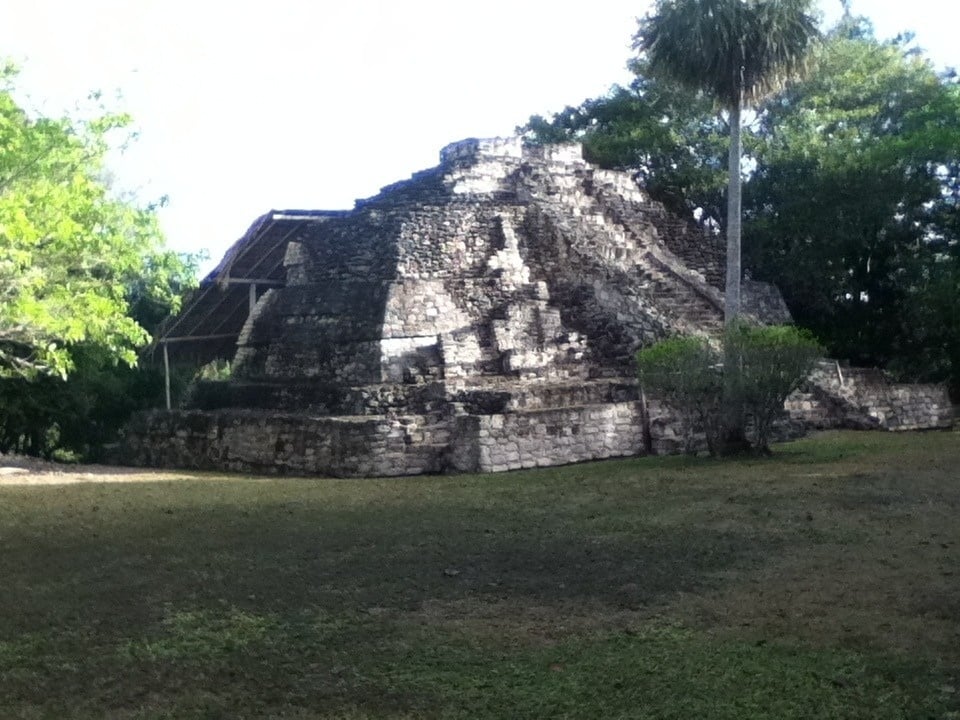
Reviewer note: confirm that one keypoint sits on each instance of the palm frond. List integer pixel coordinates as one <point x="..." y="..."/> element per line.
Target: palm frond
<point x="737" y="50"/>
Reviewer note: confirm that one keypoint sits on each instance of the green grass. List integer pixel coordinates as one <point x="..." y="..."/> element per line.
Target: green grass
<point x="823" y="582"/>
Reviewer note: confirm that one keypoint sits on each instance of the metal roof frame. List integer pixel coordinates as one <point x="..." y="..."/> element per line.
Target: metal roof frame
<point x="212" y="318"/>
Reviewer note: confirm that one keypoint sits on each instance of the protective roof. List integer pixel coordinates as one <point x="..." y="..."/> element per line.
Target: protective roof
<point x="211" y="318"/>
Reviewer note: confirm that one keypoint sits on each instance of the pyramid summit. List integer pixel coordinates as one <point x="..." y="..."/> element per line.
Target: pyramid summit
<point x="481" y="315"/>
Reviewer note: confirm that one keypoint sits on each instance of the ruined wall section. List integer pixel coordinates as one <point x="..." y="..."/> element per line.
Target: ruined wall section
<point x="316" y="327"/>
<point x="424" y="282"/>
<point x="288" y="443"/>
<point x="391" y="445"/>
<point x="835" y="396"/>
<point x="503" y="264"/>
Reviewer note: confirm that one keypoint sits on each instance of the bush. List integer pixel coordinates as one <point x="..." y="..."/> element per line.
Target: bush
<point x="49" y="416"/>
<point x="686" y="372"/>
<point x="770" y="363"/>
<point x="719" y="392"/>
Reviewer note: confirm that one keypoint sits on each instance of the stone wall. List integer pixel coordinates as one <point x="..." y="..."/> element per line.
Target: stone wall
<point x="288" y="443"/>
<point x="864" y="398"/>
<point x="483" y="430"/>
<point x="552" y="436"/>
<point x="283" y="443"/>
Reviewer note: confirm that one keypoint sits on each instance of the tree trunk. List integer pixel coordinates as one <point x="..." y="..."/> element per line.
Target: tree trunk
<point x="734" y="440"/>
<point x="731" y="305"/>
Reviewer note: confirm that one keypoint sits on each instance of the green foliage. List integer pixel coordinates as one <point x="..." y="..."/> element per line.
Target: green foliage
<point x="84" y="278"/>
<point x="771" y="362"/>
<point x="718" y="392"/>
<point x="70" y="251"/>
<point x="853" y="209"/>
<point x="218" y="369"/>
<point x="930" y="339"/>
<point x="667" y="136"/>
<point x="686" y="372"/>
<point x="736" y="51"/>
<point x="48" y="416"/>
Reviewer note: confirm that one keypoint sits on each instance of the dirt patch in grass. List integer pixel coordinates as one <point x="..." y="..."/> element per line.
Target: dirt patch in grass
<point x="24" y="470"/>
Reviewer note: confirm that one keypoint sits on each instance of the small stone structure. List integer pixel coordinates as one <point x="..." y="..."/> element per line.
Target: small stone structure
<point x="480" y="316"/>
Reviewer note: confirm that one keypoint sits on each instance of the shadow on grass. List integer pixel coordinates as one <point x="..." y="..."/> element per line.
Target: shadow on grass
<point x="283" y="559"/>
<point x="173" y="596"/>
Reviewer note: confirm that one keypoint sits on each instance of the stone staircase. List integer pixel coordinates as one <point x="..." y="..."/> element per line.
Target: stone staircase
<point x="615" y="237"/>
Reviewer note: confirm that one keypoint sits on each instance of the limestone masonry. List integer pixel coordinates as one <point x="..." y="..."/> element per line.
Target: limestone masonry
<point x="480" y="316"/>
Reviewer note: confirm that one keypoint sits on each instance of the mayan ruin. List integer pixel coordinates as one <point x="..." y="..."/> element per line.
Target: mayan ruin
<point x="480" y="316"/>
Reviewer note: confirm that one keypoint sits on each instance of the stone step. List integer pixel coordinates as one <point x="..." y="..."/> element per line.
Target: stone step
<point x="317" y="398"/>
<point x="499" y="398"/>
<point x="617" y="239"/>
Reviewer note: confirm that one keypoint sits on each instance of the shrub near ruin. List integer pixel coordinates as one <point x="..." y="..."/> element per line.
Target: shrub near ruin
<point x="766" y="365"/>
<point x="687" y="374"/>
<point x="772" y="362"/>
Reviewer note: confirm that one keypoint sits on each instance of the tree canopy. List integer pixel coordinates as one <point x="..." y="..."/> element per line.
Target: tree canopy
<point x="853" y="207"/>
<point x="667" y="136"/>
<point x="71" y="251"/>
<point x="84" y="278"/>
<point x="737" y="51"/>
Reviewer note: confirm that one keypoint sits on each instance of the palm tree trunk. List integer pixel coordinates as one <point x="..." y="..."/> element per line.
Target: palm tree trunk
<point x="734" y="440"/>
<point x="731" y="306"/>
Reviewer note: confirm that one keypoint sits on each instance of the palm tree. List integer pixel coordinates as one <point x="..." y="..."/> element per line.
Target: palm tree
<point x="738" y="51"/>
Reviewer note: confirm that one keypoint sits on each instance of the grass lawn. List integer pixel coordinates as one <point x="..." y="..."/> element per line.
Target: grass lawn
<point x="823" y="582"/>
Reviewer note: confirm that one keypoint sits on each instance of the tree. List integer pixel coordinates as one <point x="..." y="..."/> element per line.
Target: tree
<point x="686" y="373"/>
<point x="772" y="361"/>
<point x="84" y="278"/>
<point x="931" y="328"/>
<point x="74" y="417"/>
<point x="854" y="207"/>
<point x="737" y="51"/>
<point x="69" y="249"/>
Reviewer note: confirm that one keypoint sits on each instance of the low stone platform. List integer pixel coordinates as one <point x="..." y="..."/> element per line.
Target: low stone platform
<point x="835" y="396"/>
<point x="365" y="445"/>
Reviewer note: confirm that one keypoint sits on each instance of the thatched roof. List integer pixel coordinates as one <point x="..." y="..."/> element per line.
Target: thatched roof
<point x="210" y="321"/>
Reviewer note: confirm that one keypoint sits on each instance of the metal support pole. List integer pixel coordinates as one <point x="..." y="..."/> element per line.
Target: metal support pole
<point x="253" y="297"/>
<point x="166" y="373"/>
<point x="645" y="420"/>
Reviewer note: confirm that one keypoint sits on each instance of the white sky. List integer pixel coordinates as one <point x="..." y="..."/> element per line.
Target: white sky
<point x="246" y="106"/>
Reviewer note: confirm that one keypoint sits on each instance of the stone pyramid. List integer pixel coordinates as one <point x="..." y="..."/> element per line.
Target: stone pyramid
<point x="480" y="316"/>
